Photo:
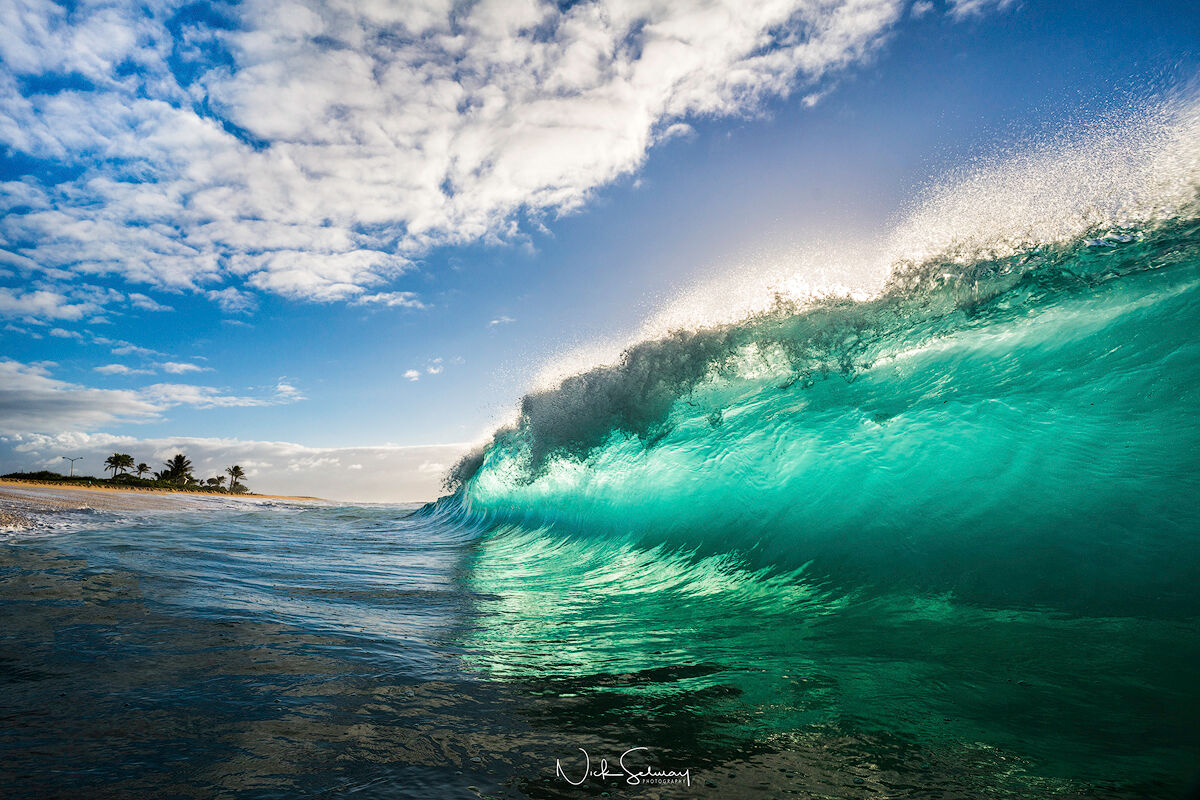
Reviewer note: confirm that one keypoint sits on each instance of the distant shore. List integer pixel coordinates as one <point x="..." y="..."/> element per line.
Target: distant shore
<point x="119" y="489"/>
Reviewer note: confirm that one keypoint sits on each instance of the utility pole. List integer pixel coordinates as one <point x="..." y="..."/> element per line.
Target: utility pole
<point x="72" y="460"/>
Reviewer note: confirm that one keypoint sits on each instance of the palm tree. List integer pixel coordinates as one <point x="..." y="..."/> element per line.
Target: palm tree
<point x="234" y="473"/>
<point x="177" y="469"/>
<point x="118" y="461"/>
<point x="142" y="469"/>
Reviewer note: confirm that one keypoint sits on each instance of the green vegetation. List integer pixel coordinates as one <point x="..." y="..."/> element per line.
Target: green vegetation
<point x="118" y="462"/>
<point x="178" y="470"/>
<point x="176" y="474"/>
<point x="235" y="474"/>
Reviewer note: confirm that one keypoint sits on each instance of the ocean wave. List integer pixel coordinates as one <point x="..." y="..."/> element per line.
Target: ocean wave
<point x="1022" y="390"/>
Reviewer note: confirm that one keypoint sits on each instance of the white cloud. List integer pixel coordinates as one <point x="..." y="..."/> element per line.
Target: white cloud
<point x="43" y="304"/>
<point x="232" y="301"/>
<point x="181" y="367"/>
<point x="412" y="374"/>
<point x="147" y="303"/>
<point x="392" y="299"/>
<point x="120" y="369"/>
<point x="339" y="139"/>
<point x="501" y="321"/>
<point x="173" y="367"/>
<point x="961" y="9"/>
<point x="65" y="334"/>
<point x="186" y="394"/>
<point x="127" y="349"/>
<point x="394" y="473"/>
<point x="31" y="401"/>
<point x="21" y="331"/>
<point x="13" y="260"/>
<point x="285" y="392"/>
<point x="920" y="8"/>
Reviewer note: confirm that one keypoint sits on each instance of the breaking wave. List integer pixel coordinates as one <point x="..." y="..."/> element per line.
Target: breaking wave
<point x="1012" y="415"/>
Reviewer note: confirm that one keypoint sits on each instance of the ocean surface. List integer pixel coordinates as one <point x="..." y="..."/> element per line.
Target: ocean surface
<point x="940" y="539"/>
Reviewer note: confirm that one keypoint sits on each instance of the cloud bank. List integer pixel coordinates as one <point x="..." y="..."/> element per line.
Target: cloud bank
<point x="43" y="418"/>
<point x="312" y="150"/>
<point x="33" y="401"/>
<point x="386" y="473"/>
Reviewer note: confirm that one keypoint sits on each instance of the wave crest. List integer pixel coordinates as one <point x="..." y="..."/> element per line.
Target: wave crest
<point x="1012" y="396"/>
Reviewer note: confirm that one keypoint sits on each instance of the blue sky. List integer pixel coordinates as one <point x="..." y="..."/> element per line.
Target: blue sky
<point x="336" y="241"/>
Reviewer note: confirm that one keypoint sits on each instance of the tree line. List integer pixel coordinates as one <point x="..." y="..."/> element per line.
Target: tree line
<point x="176" y="471"/>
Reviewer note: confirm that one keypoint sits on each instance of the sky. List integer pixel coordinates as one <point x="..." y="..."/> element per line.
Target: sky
<point x="334" y="242"/>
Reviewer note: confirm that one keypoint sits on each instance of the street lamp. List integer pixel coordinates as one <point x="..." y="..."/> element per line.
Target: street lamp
<point x="72" y="460"/>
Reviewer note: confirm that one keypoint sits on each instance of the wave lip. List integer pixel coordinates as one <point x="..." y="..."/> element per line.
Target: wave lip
<point x="1029" y="221"/>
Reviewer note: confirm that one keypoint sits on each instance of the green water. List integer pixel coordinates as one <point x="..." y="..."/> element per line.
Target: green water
<point x="959" y="515"/>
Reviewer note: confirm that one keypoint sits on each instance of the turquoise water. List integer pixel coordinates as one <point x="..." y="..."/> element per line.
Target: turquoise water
<point x="1029" y="440"/>
<point x="972" y="526"/>
<point x="939" y="539"/>
<point x="960" y="510"/>
<point x="301" y="651"/>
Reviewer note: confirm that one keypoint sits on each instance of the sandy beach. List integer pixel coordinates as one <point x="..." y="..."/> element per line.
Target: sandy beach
<point x="135" y="490"/>
<point x="19" y="499"/>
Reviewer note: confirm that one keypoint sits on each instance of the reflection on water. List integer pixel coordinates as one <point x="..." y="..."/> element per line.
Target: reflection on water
<point x="1033" y="699"/>
<point x="324" y="651"/>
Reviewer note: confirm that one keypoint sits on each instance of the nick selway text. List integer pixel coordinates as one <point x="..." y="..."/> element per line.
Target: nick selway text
<point x="633" y="773"/>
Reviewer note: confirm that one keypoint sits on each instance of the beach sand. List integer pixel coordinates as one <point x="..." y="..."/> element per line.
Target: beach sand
<point x="18" y="499"/>
<point x="138" y="490"/>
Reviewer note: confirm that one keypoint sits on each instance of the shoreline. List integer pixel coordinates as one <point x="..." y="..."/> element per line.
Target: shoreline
<point x="148" y="490"/>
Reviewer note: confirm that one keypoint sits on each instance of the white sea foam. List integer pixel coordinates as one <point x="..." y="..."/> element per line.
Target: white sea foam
<point x="1134" y="168"/>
